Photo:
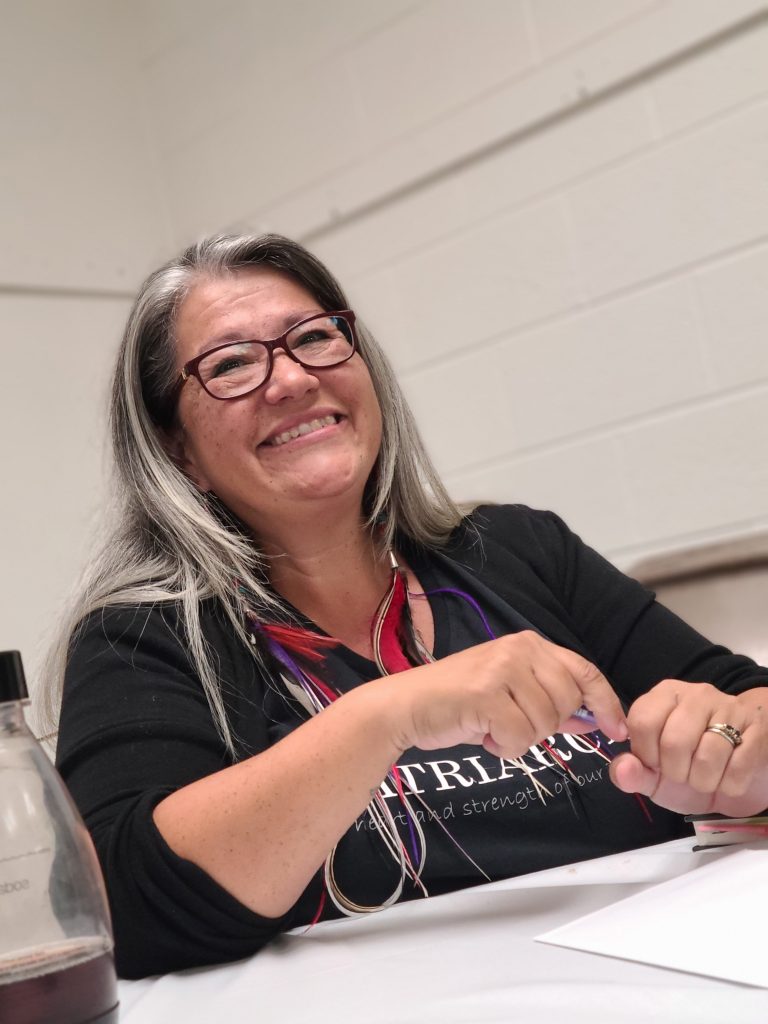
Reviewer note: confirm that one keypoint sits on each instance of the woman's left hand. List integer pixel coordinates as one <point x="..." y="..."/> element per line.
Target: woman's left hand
<point x="681" y="766"/>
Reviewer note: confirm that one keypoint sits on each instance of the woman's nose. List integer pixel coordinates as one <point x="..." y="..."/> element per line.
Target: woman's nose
<point x="288" y="379"/>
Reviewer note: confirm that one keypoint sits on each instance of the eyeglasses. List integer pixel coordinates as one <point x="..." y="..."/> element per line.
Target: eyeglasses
<point x="239" y="367"/>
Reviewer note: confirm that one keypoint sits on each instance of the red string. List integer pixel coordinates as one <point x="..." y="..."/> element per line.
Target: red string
<point x="643" y="806"/>
<point x="319" y="911"/>
<point x="328" y="693"/>
<point x="638" y="796"/>
<point x="398" y="782"/>
<point x="555" y="756"/>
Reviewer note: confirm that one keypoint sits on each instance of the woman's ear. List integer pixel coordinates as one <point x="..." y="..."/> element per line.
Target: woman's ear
<point x="177" y="448"/>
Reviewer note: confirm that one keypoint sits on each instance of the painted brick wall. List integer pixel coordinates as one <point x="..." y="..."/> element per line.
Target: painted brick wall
<point x="554" y="214"/>
<point x="82" y="221"/>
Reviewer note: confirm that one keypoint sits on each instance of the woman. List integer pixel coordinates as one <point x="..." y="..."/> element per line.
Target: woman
<point x="291" y="622"/>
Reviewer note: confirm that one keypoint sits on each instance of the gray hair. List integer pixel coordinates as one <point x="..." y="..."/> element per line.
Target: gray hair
<point x="168" y="542"/>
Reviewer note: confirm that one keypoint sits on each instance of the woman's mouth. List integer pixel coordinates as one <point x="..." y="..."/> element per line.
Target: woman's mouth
<point x="301" y="429"/>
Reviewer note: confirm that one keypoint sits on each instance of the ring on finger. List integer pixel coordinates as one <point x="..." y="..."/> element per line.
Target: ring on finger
<point x="728" y="732"/>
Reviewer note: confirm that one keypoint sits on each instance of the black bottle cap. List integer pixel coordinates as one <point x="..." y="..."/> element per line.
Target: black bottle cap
<point x="13" y="685"/>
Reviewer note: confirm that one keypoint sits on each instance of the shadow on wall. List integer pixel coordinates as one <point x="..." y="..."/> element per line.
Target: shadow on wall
<point x="720" y="589"/>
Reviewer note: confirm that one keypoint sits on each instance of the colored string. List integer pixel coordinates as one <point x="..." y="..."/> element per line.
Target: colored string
<point x="289" y="646"/>
<point x="465" y="597"/>
<point x="401" y="794"/>
<point x="397" y="646"/>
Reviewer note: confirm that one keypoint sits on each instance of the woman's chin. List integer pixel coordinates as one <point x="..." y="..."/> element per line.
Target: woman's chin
<point x="331" y="489"/>
<point x="317" y="485"/>
<point x="325" y="478"/>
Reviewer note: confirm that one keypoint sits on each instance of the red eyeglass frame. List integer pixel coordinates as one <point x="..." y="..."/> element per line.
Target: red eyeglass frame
<point x="192" y="368"/>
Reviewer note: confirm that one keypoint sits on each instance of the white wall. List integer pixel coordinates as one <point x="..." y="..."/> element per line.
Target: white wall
<point x="554" y="213"/>
<point x="82" y="222"/>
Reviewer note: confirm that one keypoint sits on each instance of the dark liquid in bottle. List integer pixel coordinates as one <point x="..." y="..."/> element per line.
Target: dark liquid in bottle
<point x="85" y="993"/>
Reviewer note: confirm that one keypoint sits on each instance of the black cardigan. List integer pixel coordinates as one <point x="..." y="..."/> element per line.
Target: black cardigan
<point x="135" y="725"/>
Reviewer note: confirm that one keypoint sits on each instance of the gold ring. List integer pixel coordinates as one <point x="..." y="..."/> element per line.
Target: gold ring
<point x="728" y="732"/>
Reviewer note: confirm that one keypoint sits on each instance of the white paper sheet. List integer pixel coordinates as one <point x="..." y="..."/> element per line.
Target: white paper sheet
<point x="708" y="921"/>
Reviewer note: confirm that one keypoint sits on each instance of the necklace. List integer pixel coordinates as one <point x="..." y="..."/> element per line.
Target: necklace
<point x="397" y="646"/>
<point x="396" y="643"/>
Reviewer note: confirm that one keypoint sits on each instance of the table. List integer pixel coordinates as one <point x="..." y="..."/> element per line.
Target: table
<point x="464" y="957"/>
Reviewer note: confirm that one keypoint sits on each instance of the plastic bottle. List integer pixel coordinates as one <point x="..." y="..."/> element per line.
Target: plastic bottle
<point x="56" y="963"/>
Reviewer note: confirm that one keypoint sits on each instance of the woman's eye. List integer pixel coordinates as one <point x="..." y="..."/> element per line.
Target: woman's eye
<point x="234" y="360"/>
<point x="311" y="337"/>
<point x="227" y="366"/>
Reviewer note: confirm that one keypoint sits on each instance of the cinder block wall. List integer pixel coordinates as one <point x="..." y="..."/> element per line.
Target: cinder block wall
<point x="82" y="219"/>
<point x="554" y="214"/>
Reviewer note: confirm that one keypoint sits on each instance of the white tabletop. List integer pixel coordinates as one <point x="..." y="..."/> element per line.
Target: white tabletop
<point x="465" y="957"/>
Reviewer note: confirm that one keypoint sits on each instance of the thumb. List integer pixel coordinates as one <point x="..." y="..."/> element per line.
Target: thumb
<point x="629" y="774"/>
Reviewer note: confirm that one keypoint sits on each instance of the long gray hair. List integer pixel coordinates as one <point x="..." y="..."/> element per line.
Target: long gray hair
<point x="168" y="542"/>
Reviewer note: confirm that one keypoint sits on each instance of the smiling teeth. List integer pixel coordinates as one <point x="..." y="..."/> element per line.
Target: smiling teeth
<point x="303" y="428"/>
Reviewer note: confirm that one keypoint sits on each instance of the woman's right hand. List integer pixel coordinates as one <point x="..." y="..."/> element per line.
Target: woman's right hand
<point x="507" y="695"/>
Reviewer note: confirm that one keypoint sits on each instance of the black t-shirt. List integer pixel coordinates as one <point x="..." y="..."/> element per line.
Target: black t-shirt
<point x="505" y="815"/>
<point x="135" y="725"/>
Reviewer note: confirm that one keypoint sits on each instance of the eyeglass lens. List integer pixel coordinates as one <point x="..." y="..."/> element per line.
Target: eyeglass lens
<point x="244" y="365"/>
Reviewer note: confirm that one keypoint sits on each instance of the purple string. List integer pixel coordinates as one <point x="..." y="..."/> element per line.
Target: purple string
<point x="411" y="830"/>
<point x="466" y="597"/>
<point x="280" y="653"/>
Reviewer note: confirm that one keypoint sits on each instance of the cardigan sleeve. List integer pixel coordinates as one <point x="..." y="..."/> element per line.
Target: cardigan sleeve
<point x="634" y="640"/>
<point x="135" y="726"/>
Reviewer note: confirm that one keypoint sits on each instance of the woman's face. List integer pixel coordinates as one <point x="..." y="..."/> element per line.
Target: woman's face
<point x="228" y="447"/>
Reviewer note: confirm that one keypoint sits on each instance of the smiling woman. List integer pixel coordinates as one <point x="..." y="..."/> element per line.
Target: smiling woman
<point x="293" y="655"/>
<point x="292" y="438"/>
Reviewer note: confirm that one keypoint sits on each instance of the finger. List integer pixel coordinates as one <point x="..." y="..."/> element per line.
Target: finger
<point x="680" y="740"/>
<point x="747" y="771"/>
<point x="544" y="692"/>
<point x="511" y="732"/>
<point x="745" y="768"/>
<point x="597" y="694"/>
<point x="743" y="790"/>
<point x="538" y="680"/>
<point x="630" y="775"/>
<point x="647" y="717"/>
<point x="713" y="757"/>
<point x="533" y="705"/>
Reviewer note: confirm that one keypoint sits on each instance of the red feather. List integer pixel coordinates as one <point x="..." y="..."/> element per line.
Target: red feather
<point x="299" y="641"/>
<point x="390" y="647"/>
